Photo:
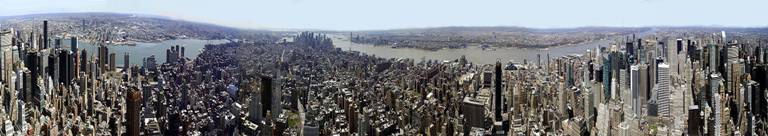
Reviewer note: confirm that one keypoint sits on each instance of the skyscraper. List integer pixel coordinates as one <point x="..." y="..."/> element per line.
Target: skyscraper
<point x="497" y="93"/>
<point x="643" y="87"/>
<point x="112" y="61"/>
<point x="634" y="85"/>
<point x="126" y="62"/>
<point x="664" y="91"/>
<point x="714" y="90"/>
<point x="45" y="34"/>
<point x="266" y="95"/>
<point x="133" y="99"/>
<point x="73" y="44"/>
<point x="713" y="56"/>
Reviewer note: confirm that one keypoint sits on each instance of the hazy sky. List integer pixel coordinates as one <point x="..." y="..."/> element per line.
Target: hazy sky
<point x="391" y="14"/>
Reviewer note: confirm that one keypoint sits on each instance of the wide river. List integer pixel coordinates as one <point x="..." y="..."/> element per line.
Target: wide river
<point x="140" y="51"/>
<point x="474" y="54"/>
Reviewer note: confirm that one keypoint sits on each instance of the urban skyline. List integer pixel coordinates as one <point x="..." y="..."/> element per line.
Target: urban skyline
<point x="106" y="73"/>
<point x="344" y="15"/>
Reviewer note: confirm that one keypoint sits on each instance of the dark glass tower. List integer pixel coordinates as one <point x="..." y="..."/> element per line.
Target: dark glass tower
<point x="497" y="93"/>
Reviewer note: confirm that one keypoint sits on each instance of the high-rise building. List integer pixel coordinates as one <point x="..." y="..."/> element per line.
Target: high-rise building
<point x="266" y="95"/>
<point x="73" y="44"/>
<point x="84" y="61"/>
<point x="133" y="100"/>
<point x="664" y="91"/>
<point x="606" y="78"/>
<point x="57" y="43"/>
<point x="634" y="85"/>
<point x="643" y="87"/>
<point x="64" y="67"/>
<point x="497" y="93"/>
<point x="126" y="62"/>
<point x="103" y="57"/>
<point x="474" y="112"/>
<point x="112" y="61"/>
<point x="33" y="64"/>
<point x="45" y="34"/>
<point x="714" y="90"/>
<point x="713" y="57"/>
<point x="679" y="45"/>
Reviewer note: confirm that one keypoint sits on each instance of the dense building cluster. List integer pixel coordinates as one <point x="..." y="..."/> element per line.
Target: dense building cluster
<point x="463" y="37"/>
<point x="670" y="85"/>
<point x="125" y="29"/>
<point x="53" y="88"/>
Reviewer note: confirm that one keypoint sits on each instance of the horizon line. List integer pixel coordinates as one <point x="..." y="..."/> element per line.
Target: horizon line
<point x="382" y="29"/>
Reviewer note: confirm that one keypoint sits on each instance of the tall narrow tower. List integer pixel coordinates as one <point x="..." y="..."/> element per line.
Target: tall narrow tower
<point x="45" y="34"/>
<point x="133" y="99"/>
<point x="497" y="93"/>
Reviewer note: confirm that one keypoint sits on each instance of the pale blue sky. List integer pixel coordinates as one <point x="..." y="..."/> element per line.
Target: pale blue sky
<point x="392" y="14"/>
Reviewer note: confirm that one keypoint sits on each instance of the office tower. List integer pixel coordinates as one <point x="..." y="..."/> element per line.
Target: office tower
<point x="713" y="56"/>
<point x="126" y="62"/>
<point x="84" y="61"/>
<point x="664" y="50"/>
<point x="5" y="46"/>
<point x="45" y="34"/>
<point x="695" y="121"/>
<point x="112" y="57"/>
<point x="168" y="55"/>
<point x="623" y="83"/>
<point x="57" y="43"/>
<point x="606" y="78"/>
<point x="100" y="56"/>
<point x="497" y="93"/>
<point x="33" y="64"/>
<point x="679" y="46"/>
<point x="664" y="91"/>
<point x="630" y="47"/>
<point x="538" y="60"/>
<point x="182" y="52"/>
<point x="133" y="100"/>
<point x="73" y="44"/>
<point x="732" y="70"/>
<point x="640" y="51"/>
<point x="692" y="50"/>
<point x="569" y="79"/>
<point x="751" y="91"/>
<point x="266" y="95"/>
<point x="643" y="87"/>
<point x="255" y="109"/>
<point x="25" y="89"/>
<point x="634" y="85"/>
<point x="150" y="63"/>
<point x="63" y="67"/>
<point x="75" y="65"/>
<point x="70" y="66"/>
<point x="103" y="59"/>
<point x="714" y="90"/>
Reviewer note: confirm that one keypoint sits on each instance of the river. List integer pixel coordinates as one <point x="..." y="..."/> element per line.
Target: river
<point x="142" y="50"/>
<point x="474" y="54"/>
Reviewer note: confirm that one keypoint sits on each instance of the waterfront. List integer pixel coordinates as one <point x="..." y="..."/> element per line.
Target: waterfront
<point x="474" y="54"/>
<point x="145" y="49"/>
